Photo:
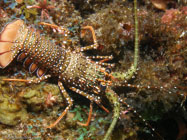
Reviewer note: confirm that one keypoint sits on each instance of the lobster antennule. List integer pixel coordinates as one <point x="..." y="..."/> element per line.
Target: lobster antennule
<point x="7" y="36"/>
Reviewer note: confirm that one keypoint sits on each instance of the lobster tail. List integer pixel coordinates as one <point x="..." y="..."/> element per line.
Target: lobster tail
<point x="7" y="38"/>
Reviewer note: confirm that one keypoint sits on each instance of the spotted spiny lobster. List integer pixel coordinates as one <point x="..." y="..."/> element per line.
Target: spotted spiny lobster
<point x="78" y="72"/>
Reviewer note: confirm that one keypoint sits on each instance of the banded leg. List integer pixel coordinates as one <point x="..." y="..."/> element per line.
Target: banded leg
<point x="70" y="103"/>
<point x="36" y="80"/>
<point x="89" y="116"/>
<point x="93" y="33"/>
<point x="106" y="64"/>
<point x="101" y="57"/>
<point x="101" y="62"/>
<point x="90" y="97"/>
<point x="57" y="28"/>
<point x="64" y="31"/>
<point x="104" y="59"/>
<point x="90" y="47"/>
<point x="94" y="46"/>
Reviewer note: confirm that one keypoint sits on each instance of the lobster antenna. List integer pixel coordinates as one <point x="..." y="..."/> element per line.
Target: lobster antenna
<point x="128" y="75"/>
<point x="111" y="95"/>
<point x="114" y="100"/>
<point x="133" y="67"/>
<point x="140" y="116"/>
<point x="136" y="42"/>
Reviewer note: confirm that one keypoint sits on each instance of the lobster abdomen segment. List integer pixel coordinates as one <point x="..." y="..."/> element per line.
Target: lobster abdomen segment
<point x="37" y="52"/>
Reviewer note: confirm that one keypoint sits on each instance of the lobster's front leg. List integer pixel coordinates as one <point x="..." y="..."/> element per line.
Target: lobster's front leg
<point x="89" y="116"/>
<point x="70" y="103"/>
<point x="90" y="97"/>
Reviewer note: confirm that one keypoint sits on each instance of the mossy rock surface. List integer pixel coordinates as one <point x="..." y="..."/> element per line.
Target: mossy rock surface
<point x="39" y="96"/>
<point x="11" y="112"/>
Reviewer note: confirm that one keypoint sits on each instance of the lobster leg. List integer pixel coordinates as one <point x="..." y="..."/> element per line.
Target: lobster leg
<point x="94" y="46"/>
<point x="104" y="59"/>
<point x="58" y="28"/>
<point x="101" y="57"/>
<point x="93" y="33"/>
<point x="106" y="64"/>
<point x="66" y="31"/>
<point x="90" y="97"/>
<point x="36" y="80"/>
<point x="89" y="116"/>
<point x="101" y="62"/>
<point x="69" y="100"/>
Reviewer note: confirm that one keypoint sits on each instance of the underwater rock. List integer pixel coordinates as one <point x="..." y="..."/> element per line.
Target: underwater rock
<point x="18" y="97"/>
<point x="11" y="111"/>
<point x="40" y="96"/>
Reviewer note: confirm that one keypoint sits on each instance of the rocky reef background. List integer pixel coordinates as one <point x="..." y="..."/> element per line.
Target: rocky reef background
<point x="26" y="109"/>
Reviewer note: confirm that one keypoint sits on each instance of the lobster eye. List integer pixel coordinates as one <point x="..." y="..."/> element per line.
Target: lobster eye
<point x="103" y="86"/>
<point x="108" y="70"/>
